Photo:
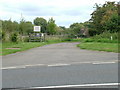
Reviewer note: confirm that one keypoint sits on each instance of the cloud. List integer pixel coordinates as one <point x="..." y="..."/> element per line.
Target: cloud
<point x="65" y="12"/>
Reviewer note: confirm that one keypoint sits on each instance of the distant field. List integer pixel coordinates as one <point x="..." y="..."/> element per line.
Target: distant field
<point x="109" y="47"/>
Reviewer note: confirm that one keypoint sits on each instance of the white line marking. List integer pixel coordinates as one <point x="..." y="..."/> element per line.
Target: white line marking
<point x="57" y="65"/>
<point x="14" y="67"/>
<point x="23" y="66"/>
<point x="34" y="65"/>
<point x="83" y="85"/>
<point x="103" y="62"/>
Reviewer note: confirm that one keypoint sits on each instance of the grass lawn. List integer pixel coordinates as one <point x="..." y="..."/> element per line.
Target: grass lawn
<point x="109" y="47"/>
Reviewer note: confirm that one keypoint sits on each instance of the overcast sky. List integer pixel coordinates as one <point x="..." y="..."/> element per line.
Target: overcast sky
<point x="64" y="12"/>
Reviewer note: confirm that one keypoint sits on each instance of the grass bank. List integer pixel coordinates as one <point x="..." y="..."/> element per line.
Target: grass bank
<point x="109" y="47"/>
<point x="104" y="42"/>
<point x="9" y="47"/>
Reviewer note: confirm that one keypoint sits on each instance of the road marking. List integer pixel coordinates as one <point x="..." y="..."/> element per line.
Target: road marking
<point x="82" y="85"/>
<point x="23" y="66"/>
<point x="59" y="64"/>
<point x="52" y="65"/>
<point x="103" y="62"/>
<point x="14" y="67"/>
<point x="34" y="65"/>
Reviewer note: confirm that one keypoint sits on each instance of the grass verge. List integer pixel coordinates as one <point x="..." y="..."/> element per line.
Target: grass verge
<point x="22" y="46"/>
<point x="109" y="47"/>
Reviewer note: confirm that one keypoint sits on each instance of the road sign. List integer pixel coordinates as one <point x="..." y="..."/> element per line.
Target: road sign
<point x="37" y="28"/>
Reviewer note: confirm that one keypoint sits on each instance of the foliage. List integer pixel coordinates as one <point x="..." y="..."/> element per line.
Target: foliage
<point x="76" y="28"/>
<point x="104" y="22"/>
<point x="3" y="36"/>
<point x="51" y="27"/>
<point x="59" y="30"/>
<point x="9" y="26"/>
<point x="41" y="22"/>
<point x="25" y="27"/>
<point x="104" y="37"/>
<point x="104" y="18"/>
<point x="79" y="30"/>
<point x="14" y="37"/>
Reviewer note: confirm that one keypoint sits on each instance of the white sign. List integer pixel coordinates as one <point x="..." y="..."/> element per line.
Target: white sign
<point x="42" y="34"/>
<point x="37" y="28"/>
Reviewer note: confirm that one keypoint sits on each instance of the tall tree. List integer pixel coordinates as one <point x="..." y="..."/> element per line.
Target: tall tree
<point x="22" y="26"/>
<point x="28" y="27"/>
<point x="104" y="18"/>
<point x="51" y="27"/>
<point x="76" y="28"/>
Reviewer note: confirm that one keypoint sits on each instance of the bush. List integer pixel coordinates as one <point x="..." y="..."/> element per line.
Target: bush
<point x="3" y="36"/>
<point x="88" y="40"/>
<point x="67" y="39"/>
<point x="104" y="37"/>
<point x="26" y="39"/>
<point x="14" y="37"/>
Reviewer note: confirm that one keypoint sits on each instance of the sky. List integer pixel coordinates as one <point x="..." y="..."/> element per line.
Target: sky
<point x="64" y="12"/>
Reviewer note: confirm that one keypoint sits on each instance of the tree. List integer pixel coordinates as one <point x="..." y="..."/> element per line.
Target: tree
<point x="22" y="26"/>
<point x="7" y="26"/>
<point x="15" y="26"/>
<point x="111" y="24"/>
<point x="28" y="27"/>
<point x="104" y="18"/>
<point x="59" y="30"/>
<point x="51" y="27"/>
<point x="62" y="27"/>
<point x="41" y="22"/>
<point x="76" y="29"/>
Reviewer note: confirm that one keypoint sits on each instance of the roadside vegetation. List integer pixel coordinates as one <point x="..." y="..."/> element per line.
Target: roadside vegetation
<point x="98" y="33"/>
<point x="103" y="29"/>
<point x="102" y="42"/>
<point x="109" y="47"/>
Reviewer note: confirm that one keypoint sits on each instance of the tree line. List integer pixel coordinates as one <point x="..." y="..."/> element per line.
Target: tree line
<point x="104" y="18"/>
<point x="26" y="27"/>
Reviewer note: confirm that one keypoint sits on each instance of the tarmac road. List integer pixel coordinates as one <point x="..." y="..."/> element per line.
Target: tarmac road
<point x="55" y="54"/>
<point x="60" y="65"/>
<point x="77" y="74"/>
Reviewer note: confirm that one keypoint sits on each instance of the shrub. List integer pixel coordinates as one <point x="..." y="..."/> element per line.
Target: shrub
<point x="88" y="40"/>
<point x="14" y="37"/>
<point x="26" y="39"/>
<point x="3" y="36"/>
<point x="106" y="35"/>
<point x="68" y="39"/>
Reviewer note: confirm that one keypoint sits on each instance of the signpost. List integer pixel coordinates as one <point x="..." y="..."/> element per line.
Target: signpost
<point x="37" y="35"/>
<point x="37" y="28"/>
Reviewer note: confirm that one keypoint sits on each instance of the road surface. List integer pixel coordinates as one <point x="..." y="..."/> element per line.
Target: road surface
<point x="60" y="65"/>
